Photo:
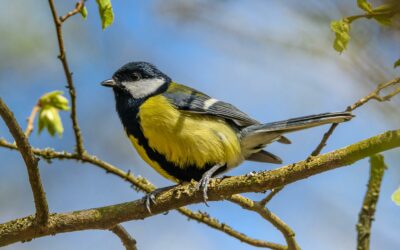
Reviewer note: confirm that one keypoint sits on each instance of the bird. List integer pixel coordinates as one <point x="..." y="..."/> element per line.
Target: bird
<point x="187" y="135"/>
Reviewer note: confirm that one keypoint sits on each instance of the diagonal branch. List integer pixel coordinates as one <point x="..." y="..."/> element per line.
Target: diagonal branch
<point x="368" y="208"/>
<point x="142" y="184"/>
<point x="68" y="74"/>
<point x="78" y="7"/>
<point x="265" y="213"/>
<point x="126" y="238"/>
<point x="182" y="195"/>
<point x="31" y="120"/>
<point x="374" y="95"/>
<point x="269" y="197"/>
<point x="31" y="162"/>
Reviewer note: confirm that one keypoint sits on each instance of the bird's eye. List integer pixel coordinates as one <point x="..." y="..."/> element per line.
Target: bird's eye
<point x="136" y="76"/>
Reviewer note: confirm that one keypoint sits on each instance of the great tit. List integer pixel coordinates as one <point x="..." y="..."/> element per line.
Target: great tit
<point x="187" y="135"/>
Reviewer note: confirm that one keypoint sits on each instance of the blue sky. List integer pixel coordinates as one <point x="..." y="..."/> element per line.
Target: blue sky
<point x="269" y="59"/>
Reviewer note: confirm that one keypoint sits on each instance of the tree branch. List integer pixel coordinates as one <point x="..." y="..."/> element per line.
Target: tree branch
<point x="68" y="74"/>
<point x="31" y="162"/>
<point x="265" y="213"/>
<point x="182" y="195"/>
<point x="31" y="120"/>
<point x="142" y="184"/>
<point x="126" y="238"/>
<point x="374" y="95"/>
<point x="269" y="197"/>
<point x="214" y="223"/>
<point x="366" y="215"/>
<point x="78" y="7"/>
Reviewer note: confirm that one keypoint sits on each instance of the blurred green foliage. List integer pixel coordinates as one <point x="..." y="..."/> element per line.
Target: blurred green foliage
<point x="396" y="196"/>
<point x="397" y="63"/>
<point x="383" y="14"/>
<point x="50" y="104"/>
<point x="342" y="36"/>
<point x="84" y="12"/>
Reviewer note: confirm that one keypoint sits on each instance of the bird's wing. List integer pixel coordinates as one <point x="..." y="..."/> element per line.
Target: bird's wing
<point x="191" y="100"/>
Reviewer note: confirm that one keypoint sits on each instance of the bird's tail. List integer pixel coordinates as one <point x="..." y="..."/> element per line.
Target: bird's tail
<point x="299" y="123"/>
<point x="255" y="137"/>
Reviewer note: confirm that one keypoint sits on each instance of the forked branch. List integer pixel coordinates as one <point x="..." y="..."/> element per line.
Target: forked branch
<point x="31" y="162"/>
<point x="374" y="95"/>
<point x="182" y="195"/>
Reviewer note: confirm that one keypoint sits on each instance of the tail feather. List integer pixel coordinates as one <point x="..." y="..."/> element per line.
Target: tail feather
<point x="284" y="140"/>
<point x="265" y="156"/>
<point x="254" y="136"/>
<point x="300" y="123"/>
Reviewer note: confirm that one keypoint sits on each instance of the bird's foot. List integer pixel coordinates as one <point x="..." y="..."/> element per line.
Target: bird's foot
<point x="202" y="184"/>
<point x="150" y="198"/>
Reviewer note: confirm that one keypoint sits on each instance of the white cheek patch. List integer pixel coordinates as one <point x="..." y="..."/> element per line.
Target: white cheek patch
<point x="144" y="87"/>
<point x="209" y="103"/>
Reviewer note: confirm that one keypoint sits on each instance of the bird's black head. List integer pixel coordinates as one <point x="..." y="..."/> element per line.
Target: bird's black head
<point x="139" y="79"/>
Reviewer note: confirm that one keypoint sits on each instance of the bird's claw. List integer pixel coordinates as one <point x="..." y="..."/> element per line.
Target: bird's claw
<point x="203" y="186"/>
<point x="149" y="199"/>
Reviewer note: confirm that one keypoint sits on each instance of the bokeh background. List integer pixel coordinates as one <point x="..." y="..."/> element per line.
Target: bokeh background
<point x="272" y="59"/>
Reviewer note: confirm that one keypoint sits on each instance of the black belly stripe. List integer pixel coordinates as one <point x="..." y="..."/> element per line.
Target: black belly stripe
<point x="128" y="109"/>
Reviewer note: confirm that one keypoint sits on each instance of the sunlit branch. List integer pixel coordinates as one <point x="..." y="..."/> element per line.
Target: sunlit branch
<point x="182" y="195"/>
<point x="366" y="215"/>
<point x="142" y="184"/>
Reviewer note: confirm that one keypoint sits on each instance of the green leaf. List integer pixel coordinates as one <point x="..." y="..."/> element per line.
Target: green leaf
<point x="106" y="13"/>
<point x="342" y="36"/>
<point x="365" y="5"/>
<point x="84" y="12"/>
<point x="49" y="118"/>
<point x="46" y="119"/>
<point x="384" y="20"/>
<point x="397" y="64"/>
<point x="396" y="197"/>
<point x="385" y="9"/>
<point x="54" y="99"/>
<point x="383" y="14"/>
<point x="41" y="122"/>
<point x="57" y="123"/>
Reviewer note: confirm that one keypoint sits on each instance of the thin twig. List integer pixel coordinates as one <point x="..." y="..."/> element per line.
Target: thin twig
<point x="269" y="197"/>
<point x="214" y="223"/>
<point x="126" y="238"/>
<point x="324" y="140"/>
<point x="374" y="95"/>
<point x="78" y="7"/>
<point x="366" y="215"/>
<point x="31" y="162"/>
<point x="144" y="185"/>
<point x="185" y="194"/>
<point x="31" y="120"/>
<point x="68" y="74"/>
<point x="265" y="213"/>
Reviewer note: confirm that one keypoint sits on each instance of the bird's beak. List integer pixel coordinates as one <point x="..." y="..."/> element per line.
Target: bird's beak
<point x="109" y="83"/>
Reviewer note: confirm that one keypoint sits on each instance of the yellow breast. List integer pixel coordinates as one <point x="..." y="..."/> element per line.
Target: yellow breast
<point x="188" y="139"/>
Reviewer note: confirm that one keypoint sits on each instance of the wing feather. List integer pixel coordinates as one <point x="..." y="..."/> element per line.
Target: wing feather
<point x="191" y="100"/>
